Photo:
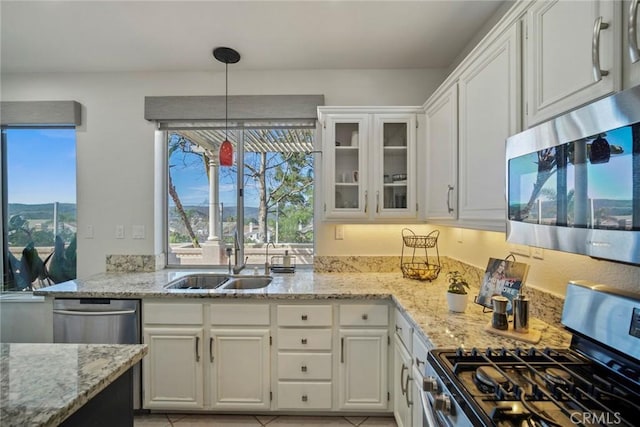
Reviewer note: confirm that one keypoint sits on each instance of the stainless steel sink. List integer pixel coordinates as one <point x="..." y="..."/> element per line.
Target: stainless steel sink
<point x="199" y="281"/>
<point x="247" y="282"/>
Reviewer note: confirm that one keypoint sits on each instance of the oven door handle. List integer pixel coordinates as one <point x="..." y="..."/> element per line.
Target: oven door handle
<point x="426" y="408"/>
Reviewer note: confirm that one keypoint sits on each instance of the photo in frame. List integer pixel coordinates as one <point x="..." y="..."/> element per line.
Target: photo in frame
<point x="502" y="277"/>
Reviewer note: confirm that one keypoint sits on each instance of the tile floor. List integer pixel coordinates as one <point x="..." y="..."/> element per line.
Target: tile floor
<point x="182" y="420"/>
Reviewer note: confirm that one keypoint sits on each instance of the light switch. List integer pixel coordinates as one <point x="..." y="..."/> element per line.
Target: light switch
<point x="516" y="249"/>
<point x="119" y="231"/>
<point x="137" y="232"/>
<point x="537" y="253"/>
<point x="339" y="232"/>
<point x="89" y="233"/>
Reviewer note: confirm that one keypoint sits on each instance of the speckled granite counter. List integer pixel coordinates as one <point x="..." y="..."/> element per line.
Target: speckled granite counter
<point x="42" y="384"/>
<point x="424" y="302"/>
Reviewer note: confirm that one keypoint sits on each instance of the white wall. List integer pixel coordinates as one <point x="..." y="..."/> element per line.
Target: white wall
<point x="115" y="145"/>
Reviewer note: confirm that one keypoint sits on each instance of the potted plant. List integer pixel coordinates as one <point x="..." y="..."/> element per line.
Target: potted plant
<point x="457" y="296"/>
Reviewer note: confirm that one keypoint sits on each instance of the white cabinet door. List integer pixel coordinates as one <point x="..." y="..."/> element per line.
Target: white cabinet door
<point x="489" y="113"/>
<point x="363" y="369"/>
<point x="560" y="58"/>
<point x="172" y="371"/>
<point x="442" y="156"/>
<point x="630" y="42"/>
<point x="345" y="149"/>
<point x="239" y="368"/>
<point x="402" y="390"/>
<point x="393" y="165"/>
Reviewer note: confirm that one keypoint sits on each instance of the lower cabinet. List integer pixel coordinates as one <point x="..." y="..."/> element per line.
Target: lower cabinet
<point x="173" y="370"/>
<point x="239" y="374"/>
<point x="402" y="388"/>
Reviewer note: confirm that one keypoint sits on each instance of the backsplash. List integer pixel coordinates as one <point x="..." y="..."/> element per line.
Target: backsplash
<point x="544" y="305"/>
<point x="134" y="263"/>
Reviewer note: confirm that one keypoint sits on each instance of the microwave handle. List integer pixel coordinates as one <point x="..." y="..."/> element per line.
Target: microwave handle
<point x="595" y="49"/>
<point x="634" y="52"/>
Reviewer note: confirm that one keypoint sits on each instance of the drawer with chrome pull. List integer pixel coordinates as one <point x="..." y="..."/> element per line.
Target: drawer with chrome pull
<point x="301" y="366"/>
<point x="304" y="315"/>
<point x="364" y="315"/>
<point x="301" y="395"/>
<point x="304" y="339"/>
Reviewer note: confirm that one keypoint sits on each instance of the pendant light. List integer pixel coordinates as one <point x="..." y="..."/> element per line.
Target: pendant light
<point x="227" y="56"/>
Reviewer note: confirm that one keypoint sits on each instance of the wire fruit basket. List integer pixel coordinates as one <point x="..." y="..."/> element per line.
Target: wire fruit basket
<point x="418" y="266"/>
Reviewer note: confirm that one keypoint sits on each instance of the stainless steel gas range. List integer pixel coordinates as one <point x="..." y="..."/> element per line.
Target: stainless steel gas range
<point x="596" y="382"/>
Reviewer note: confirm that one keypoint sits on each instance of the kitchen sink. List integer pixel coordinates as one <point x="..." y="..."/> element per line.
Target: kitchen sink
<point x="199" y="281"/>
<point x="248" y="282"/>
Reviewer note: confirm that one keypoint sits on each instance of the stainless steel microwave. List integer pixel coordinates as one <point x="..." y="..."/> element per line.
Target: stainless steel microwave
<point x="573" y="183"/>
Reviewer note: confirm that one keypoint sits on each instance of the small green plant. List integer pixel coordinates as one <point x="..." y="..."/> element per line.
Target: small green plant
<point x="457" y="283"/>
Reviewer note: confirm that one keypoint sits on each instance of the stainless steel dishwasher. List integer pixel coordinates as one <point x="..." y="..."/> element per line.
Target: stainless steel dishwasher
<point x="99" y="321"/>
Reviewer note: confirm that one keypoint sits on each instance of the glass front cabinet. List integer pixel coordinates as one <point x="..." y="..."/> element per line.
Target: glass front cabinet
<point x="368" y="164"/>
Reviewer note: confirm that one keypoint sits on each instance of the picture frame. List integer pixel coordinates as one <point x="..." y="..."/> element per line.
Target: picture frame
<point x="505" y="277"/>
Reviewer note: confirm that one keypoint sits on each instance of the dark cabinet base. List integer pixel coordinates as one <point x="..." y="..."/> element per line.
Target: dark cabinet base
<point x="113" y="406"/>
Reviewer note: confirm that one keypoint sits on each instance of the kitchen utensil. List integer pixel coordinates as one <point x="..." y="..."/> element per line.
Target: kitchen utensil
<point x="499" y="320"/>
<point x="521" y="314"/>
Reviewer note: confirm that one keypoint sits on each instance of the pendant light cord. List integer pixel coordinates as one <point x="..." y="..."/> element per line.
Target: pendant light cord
<point x="226" y="101"/>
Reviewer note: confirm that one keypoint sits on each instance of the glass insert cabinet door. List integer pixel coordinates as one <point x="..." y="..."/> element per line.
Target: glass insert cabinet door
<point x="346" y="139"/>
<point x="393" y="165"/>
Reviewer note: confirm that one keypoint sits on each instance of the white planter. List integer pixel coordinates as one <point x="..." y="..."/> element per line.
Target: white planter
<point x="457" y="302"/>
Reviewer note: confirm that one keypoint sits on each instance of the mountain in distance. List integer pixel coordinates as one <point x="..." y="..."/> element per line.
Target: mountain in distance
<point x="41" y="210"/>
<point x="227" y="212"/>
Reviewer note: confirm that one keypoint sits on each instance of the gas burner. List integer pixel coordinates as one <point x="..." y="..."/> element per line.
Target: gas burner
<point x="487" y="377"/>
<point x="558" y="378"/>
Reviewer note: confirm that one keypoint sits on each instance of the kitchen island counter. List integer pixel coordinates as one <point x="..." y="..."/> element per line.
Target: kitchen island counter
<point x="44" y="384"/>
<point x="424" y="302"/>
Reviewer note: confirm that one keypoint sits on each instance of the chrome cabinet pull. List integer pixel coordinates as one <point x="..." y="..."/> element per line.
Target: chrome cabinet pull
<point x="449" y="190"/>
<point x="304" y="398"/>
<point x="304" y="317"/>
<point x="595" y="49"/>
<point x="303" y="340"/>
<point x="406" y="387"/>
<point x="377" y="201"/>
<point x="402" y="381"/>
<point x="303" y="368"/>
<point x="634" y="52"/>
<point x="211" y="349"/>
<point x="197" y="349"/>
<point x="365" y="316"/>
<point x="341" y="350"/>
<point x="398" y="328"/>
<point x="419" y="362"/>
<point x="366" y="200"/>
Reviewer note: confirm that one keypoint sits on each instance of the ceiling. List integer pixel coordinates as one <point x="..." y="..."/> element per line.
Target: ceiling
<point x="108" y="36"/>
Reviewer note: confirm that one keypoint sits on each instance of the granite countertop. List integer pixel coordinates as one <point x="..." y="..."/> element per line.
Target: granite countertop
<point x="43" y="384"/>
<point x="424" y="302"/>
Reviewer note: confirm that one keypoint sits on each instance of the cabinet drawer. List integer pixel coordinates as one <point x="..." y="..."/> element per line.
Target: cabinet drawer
<point x="173" y="314"/>
<point x="301" y="366"/>
<point x="304" y="315"/>
<point x="419" y="352"/>
<point x="304" y="339"/>
<point x="403" y="330"/>
<point x="304" y="395"/>
<point x="364" y="315"/>
<point x="239" y="314"/>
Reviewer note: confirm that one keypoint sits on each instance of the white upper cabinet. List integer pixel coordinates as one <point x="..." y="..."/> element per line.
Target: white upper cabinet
<point x="573" y="55"/>
<point x="631" y="43"/>
<point x="368" y="164"/>
<point x="488" y="113"/>
<point x="442" y="156"/>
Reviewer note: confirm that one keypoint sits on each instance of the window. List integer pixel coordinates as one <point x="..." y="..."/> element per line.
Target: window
<point x="205" y="209"/>
<point x="39" y="207"/>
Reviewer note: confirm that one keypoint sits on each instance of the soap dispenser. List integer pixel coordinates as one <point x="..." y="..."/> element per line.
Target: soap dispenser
<point x="286" y="260"/>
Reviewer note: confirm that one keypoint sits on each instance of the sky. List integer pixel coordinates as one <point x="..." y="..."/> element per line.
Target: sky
<point x="41" y="165"/>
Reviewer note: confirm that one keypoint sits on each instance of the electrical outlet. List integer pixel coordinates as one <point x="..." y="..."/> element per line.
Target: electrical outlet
<point x="119" y="231"/>
<point x="459" y="237"/>
<point x="522" y="250"/>
<point x="339" y="232"/>
<point x="89" y="233"/>
<point x="537" y="253"/>
<point x="137" y="231"/>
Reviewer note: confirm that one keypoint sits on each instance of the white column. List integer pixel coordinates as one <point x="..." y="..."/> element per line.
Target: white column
<point x="213" y="201"/>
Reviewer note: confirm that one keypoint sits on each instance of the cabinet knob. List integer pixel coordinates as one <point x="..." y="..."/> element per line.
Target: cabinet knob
<point x="419" y="362"/>
<point x="303" y="368"/>
<point x="365" y="316"/>
<point x="303" y="340"/>
<point x="398" y="328"/>
<point x="304" y="317"/>
<point x="304" y="398"/>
